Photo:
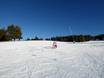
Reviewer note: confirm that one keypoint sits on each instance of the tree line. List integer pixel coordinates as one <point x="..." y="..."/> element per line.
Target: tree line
<point x="12" y="32"/>
<point x="34" y="38"/>
<point x="77" y="38"/>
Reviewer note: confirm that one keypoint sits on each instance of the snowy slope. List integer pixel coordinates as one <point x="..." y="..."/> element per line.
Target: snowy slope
<point x="36" y="59"/>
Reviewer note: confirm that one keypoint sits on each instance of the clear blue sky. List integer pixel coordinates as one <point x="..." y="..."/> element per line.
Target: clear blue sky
<point x="46" y="18"/>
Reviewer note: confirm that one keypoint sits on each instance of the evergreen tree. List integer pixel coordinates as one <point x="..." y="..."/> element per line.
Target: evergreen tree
<point x="3" y="35"/>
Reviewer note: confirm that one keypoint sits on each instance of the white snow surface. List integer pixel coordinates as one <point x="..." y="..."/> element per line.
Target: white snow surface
<point x="37" y="59"/>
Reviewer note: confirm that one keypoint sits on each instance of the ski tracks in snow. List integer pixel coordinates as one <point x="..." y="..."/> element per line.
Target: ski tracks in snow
<point x="66" y="61"/>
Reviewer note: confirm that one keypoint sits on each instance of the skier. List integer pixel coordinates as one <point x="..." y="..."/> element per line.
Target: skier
<point x="54" y="44"/>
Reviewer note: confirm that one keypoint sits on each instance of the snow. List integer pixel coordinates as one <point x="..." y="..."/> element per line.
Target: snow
<point x="37" y="59"/>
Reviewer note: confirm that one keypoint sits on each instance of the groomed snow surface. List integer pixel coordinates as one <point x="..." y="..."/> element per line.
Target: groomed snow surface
<point x="37" y="59"/>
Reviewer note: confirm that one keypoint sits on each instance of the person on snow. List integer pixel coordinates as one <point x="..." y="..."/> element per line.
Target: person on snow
<point x="54" y="44"/>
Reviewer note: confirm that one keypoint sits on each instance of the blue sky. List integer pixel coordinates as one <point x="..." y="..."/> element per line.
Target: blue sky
<point x="46" y="18"/>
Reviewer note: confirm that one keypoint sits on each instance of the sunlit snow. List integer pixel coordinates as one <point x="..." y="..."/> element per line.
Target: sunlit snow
<point x="37" y="59"/>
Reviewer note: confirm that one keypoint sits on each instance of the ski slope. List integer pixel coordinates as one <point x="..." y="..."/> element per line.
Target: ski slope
<point x="37" y="59"/>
